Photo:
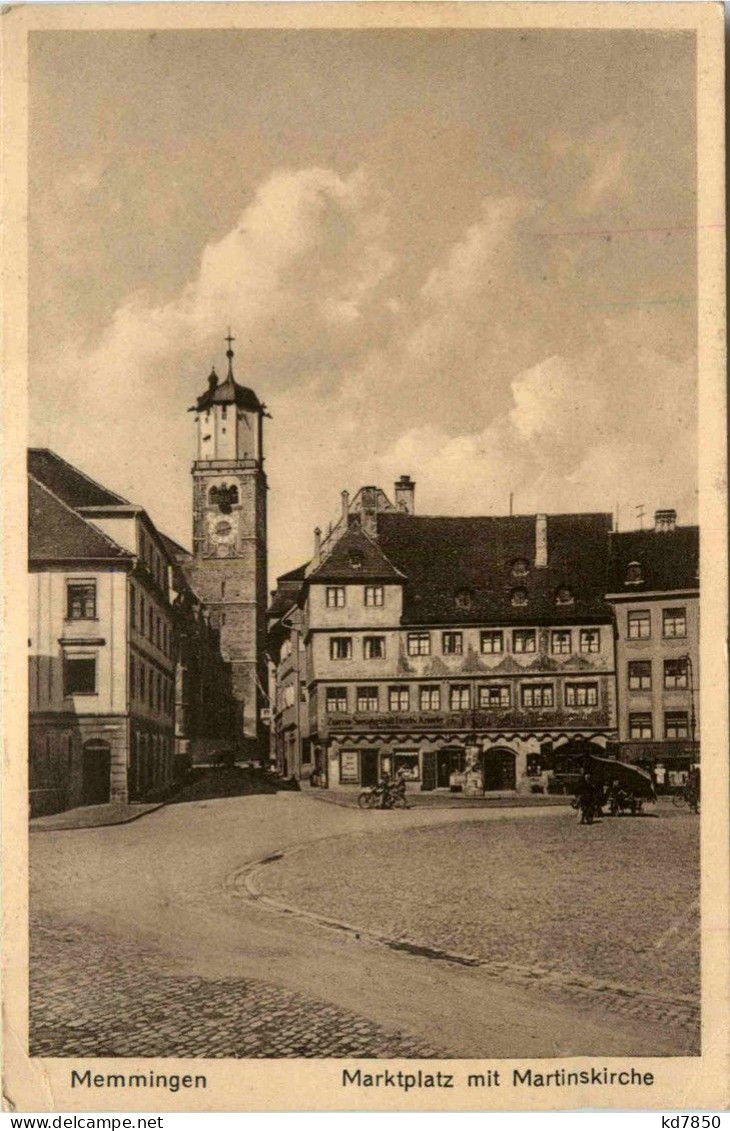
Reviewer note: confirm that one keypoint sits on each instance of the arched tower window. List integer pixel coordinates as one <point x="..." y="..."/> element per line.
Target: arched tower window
<point x="223" y="497"/>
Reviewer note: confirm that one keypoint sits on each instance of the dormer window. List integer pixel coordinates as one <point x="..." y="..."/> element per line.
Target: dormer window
<point x="564" y="596"/>
<point x="520" y="567"/>
<point x="633" y="574"/>
<point x="519" y="597"/>
<point x="464" y="599"/>
<point x="356" y="559"/>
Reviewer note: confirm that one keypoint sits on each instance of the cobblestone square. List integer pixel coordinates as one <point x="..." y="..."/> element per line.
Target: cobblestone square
<point x="499" y="932"/>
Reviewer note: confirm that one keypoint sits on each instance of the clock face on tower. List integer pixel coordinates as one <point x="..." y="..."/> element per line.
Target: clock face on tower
<point x="222" y="532"/>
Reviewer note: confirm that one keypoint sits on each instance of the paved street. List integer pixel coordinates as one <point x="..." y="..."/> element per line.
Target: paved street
<point x="146" y="941"/>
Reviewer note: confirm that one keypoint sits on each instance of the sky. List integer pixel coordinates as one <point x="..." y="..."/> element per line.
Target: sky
<point x="466" y="256"/>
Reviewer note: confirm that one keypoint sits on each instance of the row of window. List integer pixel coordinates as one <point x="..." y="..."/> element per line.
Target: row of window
<point x="452" y="643"/>
<point x="460" y="697"/>
<point x="675" y="725"/>
<point x="152" y="559"/>
<point x="640" y="674"/>
<point x="149" y="686"/>
<point x="336" y="596"/>
<point x="144" y="617"/>
<point x="674" y="624"/>
<point x="151" y="761"/>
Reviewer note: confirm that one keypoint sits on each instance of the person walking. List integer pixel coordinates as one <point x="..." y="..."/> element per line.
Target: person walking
<point x="399" y="787"/>
<point x="585" y="796"/>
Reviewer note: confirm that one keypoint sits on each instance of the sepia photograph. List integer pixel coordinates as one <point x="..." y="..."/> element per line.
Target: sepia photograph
<point x="365" y="712"/>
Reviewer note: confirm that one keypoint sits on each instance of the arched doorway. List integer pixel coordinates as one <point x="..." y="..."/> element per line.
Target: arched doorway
<point x="97" y="761"/>
<point x="498" y="768"/>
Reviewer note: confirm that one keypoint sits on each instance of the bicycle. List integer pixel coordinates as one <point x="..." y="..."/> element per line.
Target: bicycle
<point x="371" y="799"/>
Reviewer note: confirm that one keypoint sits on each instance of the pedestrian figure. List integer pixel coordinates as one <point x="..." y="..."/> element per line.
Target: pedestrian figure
<point x="385" y="791"/>
<point x="585" y="796"/>
<point x="399" y="785"/>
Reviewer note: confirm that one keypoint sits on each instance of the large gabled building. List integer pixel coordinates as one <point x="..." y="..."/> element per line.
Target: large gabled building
<point x="125" y="669"/>
<point x="441" y="645"/>
<point x="101" y="646"/>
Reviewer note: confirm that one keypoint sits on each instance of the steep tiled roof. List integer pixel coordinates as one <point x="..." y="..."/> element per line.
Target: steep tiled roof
<point x="57" y="534"/>
<point x="297" y="574"/>
<point x="281" y="601"/>
<point x="460" y="570"/>
<point x="356" y="557"/>
<point x="67" y="482"/>
<point x="668" y="559"/>
<point x="174" y="550"/>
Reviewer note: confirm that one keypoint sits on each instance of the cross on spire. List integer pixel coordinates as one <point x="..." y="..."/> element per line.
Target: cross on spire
<point x="229" y="352"/>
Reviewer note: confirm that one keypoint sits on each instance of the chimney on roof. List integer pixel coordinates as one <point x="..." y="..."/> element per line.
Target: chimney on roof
<point x="541" y="541"/>
<point x="369" y="521"/>
<point x="345" y="508"/>
<point x="317" y="546"/>
<point x="665" y="521"/>
<point x="405" y="495"/>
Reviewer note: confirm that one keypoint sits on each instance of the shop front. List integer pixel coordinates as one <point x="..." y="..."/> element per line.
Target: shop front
<point x="475" y="763"/>
<point x="669" y="762"/>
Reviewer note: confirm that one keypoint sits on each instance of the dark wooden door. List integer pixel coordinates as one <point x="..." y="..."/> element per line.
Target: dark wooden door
<point x="443" y="769"/>
<point x="499" y="770"/>
<point x="369" y="767"/>
<point x="449" y="761"/>
<point x="96" y="773"/>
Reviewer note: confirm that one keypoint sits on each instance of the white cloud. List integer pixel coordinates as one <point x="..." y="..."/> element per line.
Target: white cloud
<point x="574" y="437"/>
<point x="483" y="379"/>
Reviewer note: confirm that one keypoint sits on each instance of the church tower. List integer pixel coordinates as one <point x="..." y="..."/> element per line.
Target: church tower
<point x="228" y="570"/>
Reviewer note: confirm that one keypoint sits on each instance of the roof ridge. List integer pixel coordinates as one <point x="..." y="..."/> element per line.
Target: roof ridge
<point x="83" y="475"/>
<point x="496" y="517"/>
<point x="80" y="517"/>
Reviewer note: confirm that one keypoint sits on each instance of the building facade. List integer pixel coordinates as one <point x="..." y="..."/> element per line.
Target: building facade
<point x="470" y="653"/>
<point x="227" y="570"/>
<point x="205" y="709"/>
<point x="654" y="589"/>
<point x="127" y="683"/>
<point x="102" y="644"/>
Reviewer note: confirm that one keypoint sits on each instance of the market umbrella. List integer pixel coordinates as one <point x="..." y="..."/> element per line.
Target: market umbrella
<point x="630" y="778"/>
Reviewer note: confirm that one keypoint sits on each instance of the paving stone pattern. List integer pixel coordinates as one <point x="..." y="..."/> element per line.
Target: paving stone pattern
<point x="592" y="921"/>
<point x="93" y="996"/>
